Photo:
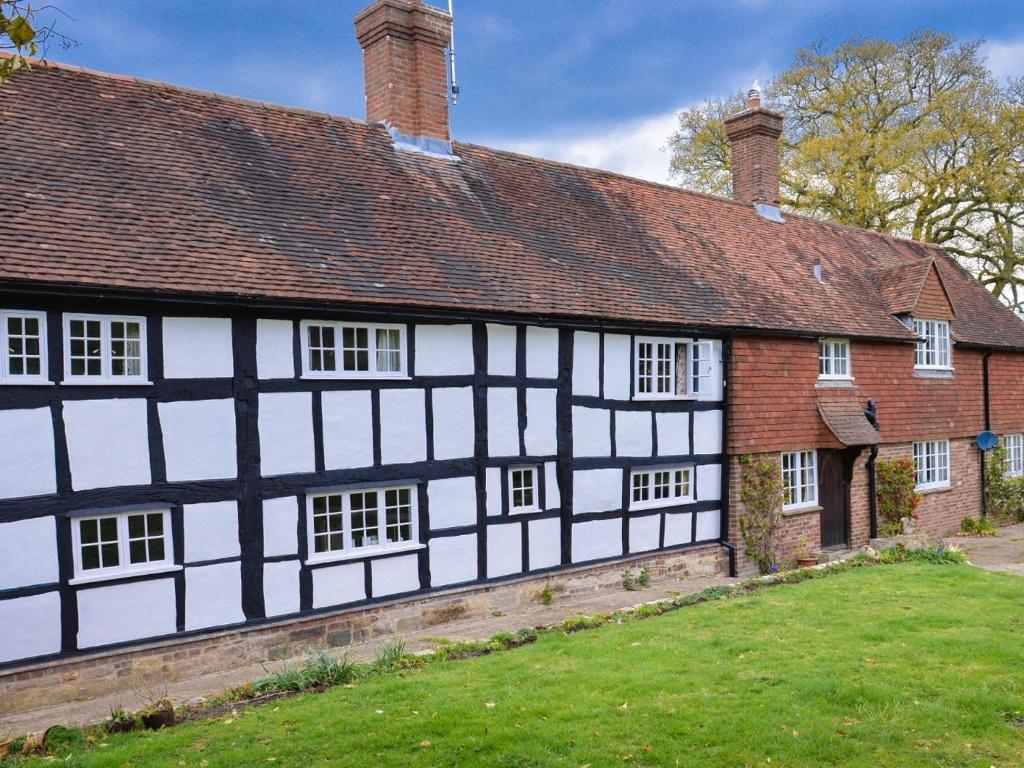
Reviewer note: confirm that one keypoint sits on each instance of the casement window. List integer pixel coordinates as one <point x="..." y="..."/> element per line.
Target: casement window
<point x="1014" y="446"/>
<point x="354" y="522"/>
<point x="661" y="487"/>
<point x="932" y="351"/>
<point x="834" y="359"/>
<point x="523" y="493"/>
<point x="22" y="347"/>
<point x="352" y="350"/>
<point x="931" y="464"/>
<point x="104" y="349"/>
<point x="671" y="368"/>
<point x="799" y="479"/>
<point x="111" y="545"/>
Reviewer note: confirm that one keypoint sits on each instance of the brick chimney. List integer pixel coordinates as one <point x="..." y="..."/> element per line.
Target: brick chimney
<point x="754" y="137"/>
<point x="406" y="71"/>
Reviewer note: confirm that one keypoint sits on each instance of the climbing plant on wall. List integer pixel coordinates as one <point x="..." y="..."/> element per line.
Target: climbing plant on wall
<point x="761" y="494"/>
<point x="896" y="495"/>
<point x="1004" y="494"/>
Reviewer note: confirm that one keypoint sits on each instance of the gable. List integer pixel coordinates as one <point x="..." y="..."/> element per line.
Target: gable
<point x="933" y="301"/>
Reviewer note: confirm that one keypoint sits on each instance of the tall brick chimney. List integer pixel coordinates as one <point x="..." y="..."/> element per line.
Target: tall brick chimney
<point x="406" y="71"/>
<point x="754" y="137"/>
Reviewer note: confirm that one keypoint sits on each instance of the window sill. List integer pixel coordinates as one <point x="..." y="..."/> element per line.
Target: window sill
<point x="25" y="383"/>
<point x="663" y="398"/>
<point x="359" y="554"/>
<point x="105" y="383"/>
<point x="927" y="490"/>
<point x="933" y="373"/>
<point x="524" y="511"/>
<point x="126" y="574"/>
<point x="801" y="510"/>
<point x="660" y="505"/>
<point x="353" y="377"/>
<point x="824" y="383"/>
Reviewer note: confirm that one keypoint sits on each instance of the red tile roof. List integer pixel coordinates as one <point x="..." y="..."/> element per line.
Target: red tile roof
<point x="845" y="418"/>
<point x="113" y="182"/>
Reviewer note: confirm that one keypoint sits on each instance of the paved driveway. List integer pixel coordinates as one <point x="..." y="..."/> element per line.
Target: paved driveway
<point x="1004" y="552"/>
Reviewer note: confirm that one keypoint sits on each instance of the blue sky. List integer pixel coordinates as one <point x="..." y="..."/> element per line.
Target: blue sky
<point x="594" y="82"/>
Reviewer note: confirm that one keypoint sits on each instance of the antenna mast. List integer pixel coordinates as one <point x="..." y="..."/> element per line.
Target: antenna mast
<point x="451" y="59"/>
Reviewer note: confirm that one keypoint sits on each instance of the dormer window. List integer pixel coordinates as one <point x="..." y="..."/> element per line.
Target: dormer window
<point x="932" y="350"/>
<point x="834" y="359"/>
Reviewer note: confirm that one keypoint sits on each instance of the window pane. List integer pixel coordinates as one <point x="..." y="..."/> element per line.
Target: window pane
<point x="85" y="347"/>
<point x="388" y="350"/>
<point x="90" y="558"/>
<point x="88" y="531"/>
<point x="110" y="555"/>
<point x="125" y="348"/>
<point x="137" y="551"/>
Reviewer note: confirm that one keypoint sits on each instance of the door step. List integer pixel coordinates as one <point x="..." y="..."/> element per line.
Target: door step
<point x="832" y="555"/>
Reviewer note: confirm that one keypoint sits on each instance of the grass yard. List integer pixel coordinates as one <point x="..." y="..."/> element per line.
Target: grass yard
<point x="905" y="665"/>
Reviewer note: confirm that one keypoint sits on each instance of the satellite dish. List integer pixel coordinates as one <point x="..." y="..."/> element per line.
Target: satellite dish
<point x="987" y="440"/>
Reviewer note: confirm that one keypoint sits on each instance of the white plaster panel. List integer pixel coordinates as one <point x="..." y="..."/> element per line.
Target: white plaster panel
<point x="678" y="528"/>
<point x="31" y="626"/>
<point x="708" y="525"/>
<point x="286" y="432"/>
<point x="586" y="363"/>
<point x="28" y="553"/>
<point x="213" y="595"/>
<point x="211" y="531"/>
<point x="338" y="584"/>
<point x="504" y="549"/>
<point x="709" y="482"/>
<point x="280" y="526"/>
<point x="673" y="434"/>
<point x="540" y="422"/>
<point x="616" y="366"/>
<point x="444" y="350"/>
<point x="197" y="348"/>
<point x="493" y="479"/>
<point x="501" y="350"/>
<point x="452" y="502"/>
<point x="281" y="588"/>
<point x="275" y="358"/>
<point x="591" y="431"/>
<point x="348" y="429"/>
<point x="644" y="533"/>
<point x="199" y="439"/>
<point x="27" y="459"/>
<point x="596" y="490"/>
<point x="453" y="560"/>
<point x="545" y="543"/>
<point x="595" y="539"/>
<point x="707" y="432"/>
<point x="108" y="442"/>
<point x="392" y="575"/>
<point x="403" y="426"/>
<point x="454" y="428"/>
<point x="633" y="435"/>
<point x="124" y="612"/>
<point x="541" y="352"/>
<point x="502" y="422"/>
<point x="552" y="497"/>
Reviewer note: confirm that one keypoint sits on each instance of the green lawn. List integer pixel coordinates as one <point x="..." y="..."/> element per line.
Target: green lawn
<point x="900" y="665"/>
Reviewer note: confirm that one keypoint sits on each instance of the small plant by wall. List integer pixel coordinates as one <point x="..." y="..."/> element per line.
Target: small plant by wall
<point x="761" y="494"/>
<point x="1004" y="495"/>
<point x="896" y="496"/>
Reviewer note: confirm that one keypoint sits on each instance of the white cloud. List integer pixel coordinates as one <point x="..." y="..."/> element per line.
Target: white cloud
<point x="1005" y="57"/>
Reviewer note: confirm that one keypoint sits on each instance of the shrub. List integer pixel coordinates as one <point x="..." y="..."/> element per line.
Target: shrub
<point x="580" y="622"/>
<point x="1004" y="495"/>
<point x="761" y="494"/>
<point x="938" y="555"/>
<point x="977" y="526"/>
<point x="895" y="493"/>
<point x="634" y="579"/>
<point x="288" y="678"/>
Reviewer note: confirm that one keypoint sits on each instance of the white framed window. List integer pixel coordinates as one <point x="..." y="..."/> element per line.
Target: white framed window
<point x="931" y="464"/>
<point x="122" y="543"/>
<point x="347" y="523"/>
<point x="352" y="350"/>
<point x="834" y="359"/>
<point x="932" y="351"/>
<point x="22" y="347"/>
<point x="523" y="490"/>
<point x="104" y="349"/>
<point x="799" y="479"/>
<point x="660" y="487"/>
<point x="1014" y="445"/>
<point x="663" y="368"/>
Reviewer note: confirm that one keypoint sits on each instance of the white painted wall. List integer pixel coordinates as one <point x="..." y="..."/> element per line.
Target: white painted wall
<point x="403" y="426"/>
<point x="502" y="422"/>
<point x="504" y="549"/>
<point x="274" y="356"/>
<point x="595" y="539"/>
<point x="552" y="496"/>
<point x="545" y="543"/>
<point x="709" y="482"/>
<point x="452" y="559"/>
<point x="26" y="453"/>
<point x="199" y="439"/>
<point x="541" y="352"/>
<point x="213" y="595"/>
<point x="444" y="350"/>
<point x="540" y="422"/>
<point x="280" y="526"/>
<point x="31" y="626"/>
<point x="122" y="612"/>
<point x="286" y="432"/>
<point x="454" y="428"/>
<point x="281" y="588"/>
<point x="452" y="502"/>
<point x="493" y="483"/>
<point x="211" y="531"/>
<point x="673" y="434"/>
<point x="108" y="442"/>
<point x="348" y="429"/>
<point x="616" y="366"/>
<point x="596" y="490"/>
<point x="586" y="363"/>
<point x="633" y="433"/>
<point x="678" y="528"/>
<point x="708" y="524"/>
<point x="501" y="350"/>
<point x="28" y="554"/>
<point x="644" y="533"/>
<point x="591" y="431"/>
<point x="338" y="584"/>
<point x="707" y="432"/>
<point x="197" y="347"/>
<point x="392" y="575"/>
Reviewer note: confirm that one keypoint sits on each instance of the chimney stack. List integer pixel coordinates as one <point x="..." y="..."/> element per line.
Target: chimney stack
<point x="406" y="71"/>
<point x="754" y="138"/>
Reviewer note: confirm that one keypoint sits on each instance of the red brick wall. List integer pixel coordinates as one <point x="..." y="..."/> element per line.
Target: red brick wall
<point x="1006" y="388"/>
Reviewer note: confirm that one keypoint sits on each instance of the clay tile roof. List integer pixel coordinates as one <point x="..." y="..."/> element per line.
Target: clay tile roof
<point x="844" y="416"/>
<point x="900" y="285"/>
<point x="115" y="183"/>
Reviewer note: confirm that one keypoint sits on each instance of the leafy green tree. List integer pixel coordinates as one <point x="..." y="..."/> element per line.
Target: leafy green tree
<point x="914" y="138"/>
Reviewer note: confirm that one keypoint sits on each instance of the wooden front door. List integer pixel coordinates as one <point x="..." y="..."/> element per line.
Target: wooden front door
<point x="834" y="497"/>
